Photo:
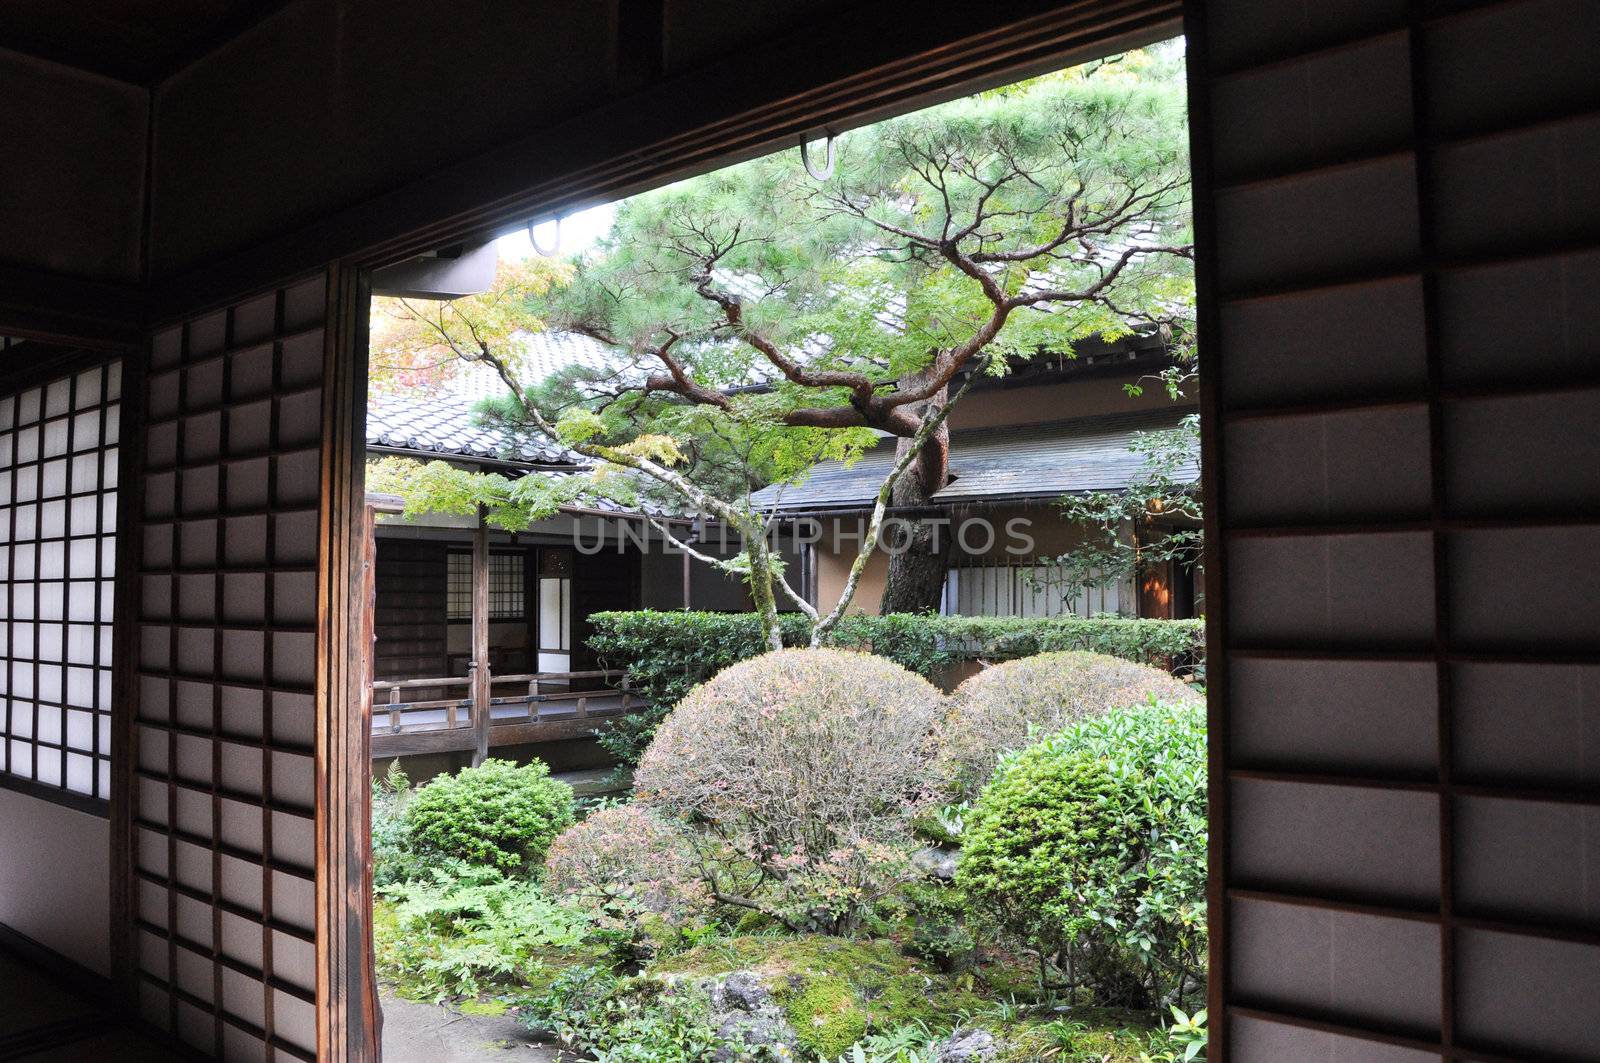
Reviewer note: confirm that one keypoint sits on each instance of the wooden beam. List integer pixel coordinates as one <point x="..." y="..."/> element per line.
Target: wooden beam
<point x="461" y="739"/>
<point x="833" y="72"/>
<point x="480" y="640"/>
<point x="58" y="308"/>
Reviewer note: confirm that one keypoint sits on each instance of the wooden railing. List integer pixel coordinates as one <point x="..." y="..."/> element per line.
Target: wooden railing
<point x="548" y="706"/>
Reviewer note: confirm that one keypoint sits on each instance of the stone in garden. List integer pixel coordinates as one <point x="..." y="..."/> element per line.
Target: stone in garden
<point x="968" y="1046"/>
<point x="742" y="990"/>
<point x="745" y="1016"/>
<point x="746" y="1031"/>
<point x="936" y="863"/>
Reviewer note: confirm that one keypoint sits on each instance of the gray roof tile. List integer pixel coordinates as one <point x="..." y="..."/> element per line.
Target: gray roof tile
<point x="447" y="425"/>
<point x="999" y="464"/>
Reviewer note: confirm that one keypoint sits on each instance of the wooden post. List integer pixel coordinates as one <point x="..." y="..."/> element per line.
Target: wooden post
<point x="480" y="640"/>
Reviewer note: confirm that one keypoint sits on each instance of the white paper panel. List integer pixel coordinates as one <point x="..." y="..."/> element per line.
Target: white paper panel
<point x="1403" y="366"/>
<point x="57" y="565"/>
<point x="227" y="609"/>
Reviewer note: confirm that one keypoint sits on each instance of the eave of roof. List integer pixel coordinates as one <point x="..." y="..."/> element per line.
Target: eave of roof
<point x="989" y="465"/>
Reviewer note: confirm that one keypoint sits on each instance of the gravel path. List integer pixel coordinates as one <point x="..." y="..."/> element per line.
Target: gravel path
<point x="432" y="1033"/>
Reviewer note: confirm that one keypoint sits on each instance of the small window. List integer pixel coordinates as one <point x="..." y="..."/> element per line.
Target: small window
<point x="507" y="587"/>
<point x="459" y="594"/>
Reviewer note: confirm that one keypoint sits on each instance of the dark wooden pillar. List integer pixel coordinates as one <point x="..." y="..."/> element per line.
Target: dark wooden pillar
<point x="688" y="581"/>
<point x="480" y="640"/>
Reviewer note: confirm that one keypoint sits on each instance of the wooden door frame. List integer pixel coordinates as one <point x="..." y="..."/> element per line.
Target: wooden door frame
<point x="1058" y="36"/>
<point x="348" y="1018"/>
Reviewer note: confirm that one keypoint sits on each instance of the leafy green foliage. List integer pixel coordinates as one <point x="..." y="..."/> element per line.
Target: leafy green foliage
<point x="392" y="858"/>
<point x="466" y="930"/>
<point x="1089" y="847"/>
<point x="439" y="487"/>
<point x="937" y="913"/>
<point x="905" y="1044"/>
<point x="624" y="1020"/>
<point x="1036" y="844"/>
<point x="1183" y="1041"/>
<point x="498" y="814"/>
<point x="669" y="653"/>
<point x="1162" y="504"/>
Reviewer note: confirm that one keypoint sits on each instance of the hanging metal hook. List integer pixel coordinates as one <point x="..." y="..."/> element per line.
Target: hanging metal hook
<point x="533" y="237"/>
<point x="827" y="165"/>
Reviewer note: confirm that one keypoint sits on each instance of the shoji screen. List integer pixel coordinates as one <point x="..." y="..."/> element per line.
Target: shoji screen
<point x="58" y="514"/>
<point x="223" y="838"/>
<point x="1403" y="368"/>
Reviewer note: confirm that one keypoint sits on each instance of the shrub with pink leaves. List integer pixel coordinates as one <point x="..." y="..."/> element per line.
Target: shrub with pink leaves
<point x="627" y="860"/>
<point x="1003" y="708"/>
<point x="807" y="766"/>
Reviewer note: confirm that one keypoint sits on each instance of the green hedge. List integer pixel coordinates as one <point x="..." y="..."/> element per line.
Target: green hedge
<point x="669" y="652"/>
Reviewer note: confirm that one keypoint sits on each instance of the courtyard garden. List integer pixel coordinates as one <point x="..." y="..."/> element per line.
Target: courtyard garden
<point x="824" y="856"/>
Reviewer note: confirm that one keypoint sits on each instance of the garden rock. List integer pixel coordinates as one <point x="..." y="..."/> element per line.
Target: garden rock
<point x="936" y="863"/>
<point x="968" y="1046"/>
<point x="739" y="991"/>
<point x="745" y="1016"/>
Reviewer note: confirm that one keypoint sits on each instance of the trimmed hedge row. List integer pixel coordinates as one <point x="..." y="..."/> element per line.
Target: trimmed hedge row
<point x="668" y="653"/>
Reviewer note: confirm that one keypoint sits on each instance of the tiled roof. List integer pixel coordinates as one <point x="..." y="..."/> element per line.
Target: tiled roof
<point x="447" y="425"/>
<point x="999" y="464"/>
<point x="543" y="354"/>
<point x="1020" y="462"/>
<point x="540" y="355"/>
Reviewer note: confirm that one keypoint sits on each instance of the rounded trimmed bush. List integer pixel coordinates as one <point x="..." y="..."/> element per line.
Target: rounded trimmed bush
<point x="1090" y="848"/>
<point x="628" y="858"/>
<point x="810" y="764"/>
<point x="995" y="711"/>
<point x="498" y="814"/>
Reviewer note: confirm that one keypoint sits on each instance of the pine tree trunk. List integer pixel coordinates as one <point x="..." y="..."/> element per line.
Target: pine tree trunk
<point x="761" y="592"/>
<point x="919" y="545"/>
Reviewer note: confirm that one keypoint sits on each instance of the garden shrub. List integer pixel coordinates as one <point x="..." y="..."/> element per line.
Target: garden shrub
<point x="497" y="814"/>
<point x="995" y="711"/>
<point x="811" y="766"/>
<point x="1090" y="847"/>
<point x="669" y="653"/>
<point x="625" y="861"/>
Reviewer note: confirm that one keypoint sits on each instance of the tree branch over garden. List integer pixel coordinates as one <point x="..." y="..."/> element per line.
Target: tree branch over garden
<point x="760" y="322"/>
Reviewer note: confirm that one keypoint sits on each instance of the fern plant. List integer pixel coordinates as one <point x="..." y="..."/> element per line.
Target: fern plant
<point x="467" y="930"/>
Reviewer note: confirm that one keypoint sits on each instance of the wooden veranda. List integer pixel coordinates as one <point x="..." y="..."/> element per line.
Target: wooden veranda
<point x="479" y="711"/>
<point x="547" y="707"/>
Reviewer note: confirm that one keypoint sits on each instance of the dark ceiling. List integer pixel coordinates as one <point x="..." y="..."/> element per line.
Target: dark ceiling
<point x="140" y="41"/>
